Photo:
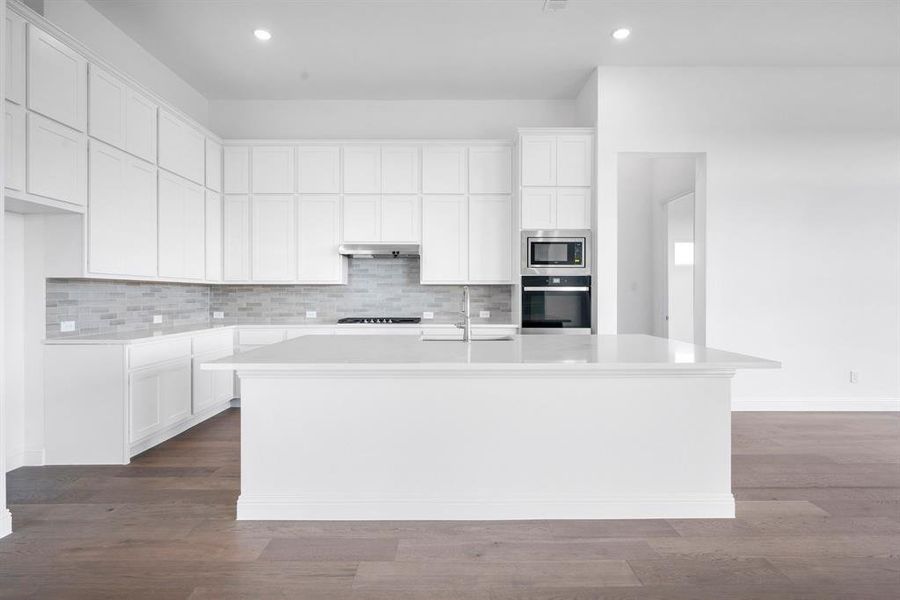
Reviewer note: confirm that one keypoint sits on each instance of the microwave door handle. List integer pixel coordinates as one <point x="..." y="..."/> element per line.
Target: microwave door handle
<point x="556" y="289"/>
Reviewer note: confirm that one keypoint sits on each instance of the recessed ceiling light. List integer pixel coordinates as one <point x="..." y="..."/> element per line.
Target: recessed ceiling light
<point x="262" y="35"/>
<point x="621" y="33"/>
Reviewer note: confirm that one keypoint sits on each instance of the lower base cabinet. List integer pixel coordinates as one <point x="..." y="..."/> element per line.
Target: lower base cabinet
<point x="211" y="387"/>
<point x="159" y="396"/>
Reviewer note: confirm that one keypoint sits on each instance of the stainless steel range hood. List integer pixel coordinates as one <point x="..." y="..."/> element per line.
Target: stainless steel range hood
<point x="375" y="250"/>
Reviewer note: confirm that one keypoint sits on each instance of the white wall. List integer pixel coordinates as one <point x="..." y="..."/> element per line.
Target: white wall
<point x="803" y="193"/>
<point x="14" y="340"/>
<point x="82" y="21"/>
<point x="385" y="118"/>
<point x="635" y="273"/>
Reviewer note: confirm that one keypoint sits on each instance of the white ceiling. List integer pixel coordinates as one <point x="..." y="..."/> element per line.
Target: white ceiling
<point x="390" y="49"/>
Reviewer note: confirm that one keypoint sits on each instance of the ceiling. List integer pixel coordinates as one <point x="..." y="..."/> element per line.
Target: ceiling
<point x="394" y="49"/>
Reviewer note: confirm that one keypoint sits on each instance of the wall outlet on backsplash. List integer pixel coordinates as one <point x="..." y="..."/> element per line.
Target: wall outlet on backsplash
<point x="218" y="314"/>
<point x="310" y="314"/>
<point x="157" y="319"/>
<point x="65" y="326"/>
<point x="427" y="315"/>
<point x="484" y="314"/>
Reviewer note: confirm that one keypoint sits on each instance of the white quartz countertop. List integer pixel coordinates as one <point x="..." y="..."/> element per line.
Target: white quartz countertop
<point x="528" y="352"/>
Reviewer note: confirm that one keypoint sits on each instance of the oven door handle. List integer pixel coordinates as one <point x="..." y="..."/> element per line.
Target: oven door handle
<point x="556" y="289"/>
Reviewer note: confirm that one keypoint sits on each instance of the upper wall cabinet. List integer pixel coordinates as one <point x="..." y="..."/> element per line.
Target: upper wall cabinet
<point x="557" y="160"/>
<point x="182" y="149"/>
<point x="236" y="238"/>
<point x="490" y="170"/>
<point x="182" y="228"/>
<point x="15" y="146"/>
<point x="539" y="160"/>
<point x="213" y="165"/>
<point x="399" y="169"/>
<point x="444" y="170"/>
<point x="573" y="160"/>
<point x="272" y="240"/>
<point x="490" y="230"/>
<point x="57" y="80"/>
<point x="236" y="169"/>
<point x="56" y="161"/>
<point x="362" y="169"/>
<point x="445" y="239"/>
<point x="15" y="58"/>
<point x="319" y="228"/>
<point x="272" y="169"/>
<point x="319" y="169"/>
<point x="213" y="236"/>
<point x="120" y="116"/>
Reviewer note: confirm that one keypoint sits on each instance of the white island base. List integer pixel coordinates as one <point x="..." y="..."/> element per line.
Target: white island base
<point x="610" y="427"/>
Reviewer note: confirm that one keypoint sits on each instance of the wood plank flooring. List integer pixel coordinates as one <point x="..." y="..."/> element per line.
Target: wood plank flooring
<point x="818" y="519"/>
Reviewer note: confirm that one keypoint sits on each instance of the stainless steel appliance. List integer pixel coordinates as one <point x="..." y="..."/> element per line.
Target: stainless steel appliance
<point x="556" y="252"/>
<point x="556" y="304"/>
<point x="380" y="320"/>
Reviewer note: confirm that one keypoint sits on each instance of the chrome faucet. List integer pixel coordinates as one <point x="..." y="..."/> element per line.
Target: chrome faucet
<point x="466" y="325"/>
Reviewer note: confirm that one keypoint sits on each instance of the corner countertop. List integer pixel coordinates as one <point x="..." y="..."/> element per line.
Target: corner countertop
<point x="569" y="353"/>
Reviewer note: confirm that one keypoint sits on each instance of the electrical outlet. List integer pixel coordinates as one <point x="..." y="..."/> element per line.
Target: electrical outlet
<point x="310" y="314"/>
<point x="854" y="376"/>
<point x="484" y="314"/>
<point x="65" y="326"/>
<point x="218" y="314"/>
<point x="157" y="319"/>
<point x="427" y="315"/>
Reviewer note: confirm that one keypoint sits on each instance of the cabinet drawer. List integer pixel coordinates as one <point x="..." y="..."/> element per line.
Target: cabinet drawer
<point x="290" y="334"/>
<point x="156" y="352"/>
<point x="260" y="337"/>
<point x="212" y="342"/>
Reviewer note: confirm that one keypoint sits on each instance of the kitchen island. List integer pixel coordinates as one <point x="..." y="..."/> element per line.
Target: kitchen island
<point x="536" y="427"/>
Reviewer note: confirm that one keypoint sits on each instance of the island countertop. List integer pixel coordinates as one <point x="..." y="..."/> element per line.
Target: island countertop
<point x="631" y="352"/>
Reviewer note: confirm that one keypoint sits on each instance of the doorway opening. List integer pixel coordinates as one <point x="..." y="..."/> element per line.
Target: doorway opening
<point x="662" y="245"/>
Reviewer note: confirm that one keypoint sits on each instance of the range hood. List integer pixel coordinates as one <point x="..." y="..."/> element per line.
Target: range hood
<point x="380" y="250"/>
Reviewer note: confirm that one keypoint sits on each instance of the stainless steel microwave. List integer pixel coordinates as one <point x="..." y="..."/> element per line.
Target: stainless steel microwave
<point x="556" y="252"/>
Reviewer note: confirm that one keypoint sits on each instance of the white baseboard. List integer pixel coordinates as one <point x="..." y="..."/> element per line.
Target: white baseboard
<point x="5" y="522"/>
<point x="235" y="403"/>
<point x="824" y="404"/>
<point x="297" y="508"/>
<point x="25" y="458"/>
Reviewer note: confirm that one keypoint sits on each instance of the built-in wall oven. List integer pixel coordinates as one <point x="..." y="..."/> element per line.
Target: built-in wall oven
<point x="556" y="252"/>
<point x="556" y="304"/>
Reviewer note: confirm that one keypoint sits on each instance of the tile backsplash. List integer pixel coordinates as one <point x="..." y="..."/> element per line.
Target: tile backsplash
<point x="377" y="287"/>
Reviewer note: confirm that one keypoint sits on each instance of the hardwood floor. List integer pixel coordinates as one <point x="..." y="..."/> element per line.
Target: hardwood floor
<point x="818" y="519"/>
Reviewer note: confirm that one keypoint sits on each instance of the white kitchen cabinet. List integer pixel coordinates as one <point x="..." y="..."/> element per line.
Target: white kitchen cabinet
<point x="539" y="208"/>
<point x="211" y="387"/>
<point x="236" y="168"/>
<point x="120" y="116"/>
<point x="399" y="218"/>
<point x="445" y="243"/>
<point x="362" y="221"/>
<point x="15" y="58"/>
<point x="182" y="229"/>
<point x="272" y="169"/>
<point x="400" y="169"/>
<point x="57" y="80"/>
<point x="490" y="170"/>
<point x="122" y="234"/>
<point x="573" y="208"/>
<point x="213" y="236"/>
<point x="490" y="243"/>
<point x="182" y="148"/>
<point x="444" y="170"/>
<point x="362" y="169"/>
<point x="318" y="238"/>
<point x="140" y="125"/>
<point x="573" y="160"/>
<point x="319" y="169"/>
<point x="213" y="165"/>
<point x="538" y="160"/>
<point x="159" y="396"/>
<point x="56" y="164"/>
<point x="236" y="238"/>
<point x="272" y="240"/>
<point x="15" y="146"/>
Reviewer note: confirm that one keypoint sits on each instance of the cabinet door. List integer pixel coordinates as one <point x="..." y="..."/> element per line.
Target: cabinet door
<point x="400" y="169"/>
<point x="573" y="208"/>
<point x="211" y="387"/>
<point x="538" y="160"/>
<point x="15" y="146"/>
<point x="175" y="392"/>
<point x="15" y="58"/>
<point x="445" y="244"/>
<point x="361" y="219"/>
<point x="144" y="404"/>
<point x="362" y="169"/>
<point x="490" y="170"/>
<point x="213" y="236"/>
<point x="56" y="161"/>
<point x="57" y="80"/>
<point x="573" y="160"/>
<point x="182" y="149"/>
<point x="444" y="170"/>
<point x="236" y="238"/>
<point x="140" y="126"/>
<point x="490" y="244"/>
<point x="400" y="218"/>
<point x="138" y="219"/>
<point x="319" y="169"/>
<point x="237" y="169"/>
<point x="318" y="238"/>
<point x="272" y="170"/>
<point x="195" y="231"/>
<point x="213" y="165"/>
<point x="538" y="208"/>
<point x="272" y="241"/>
<point x="106" y="107"/>
<point x="182" y="244"/>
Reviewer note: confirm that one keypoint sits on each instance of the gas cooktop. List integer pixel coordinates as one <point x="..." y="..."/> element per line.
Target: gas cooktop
<point x="380" y="320"/>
